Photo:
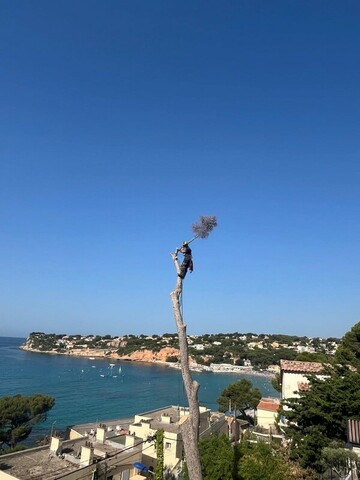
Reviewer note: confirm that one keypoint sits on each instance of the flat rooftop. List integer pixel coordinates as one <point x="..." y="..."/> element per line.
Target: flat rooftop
<point x="167" y="418"/>
<point x="114" y="426"/>
<point x="41" y="463"/>
<point x="35" y="465"/>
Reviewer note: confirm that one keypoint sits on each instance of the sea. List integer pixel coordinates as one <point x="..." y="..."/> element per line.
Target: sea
<point x="91" y="390"/>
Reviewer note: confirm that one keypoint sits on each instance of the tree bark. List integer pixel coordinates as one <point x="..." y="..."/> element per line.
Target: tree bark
<point x="189" y="426"/>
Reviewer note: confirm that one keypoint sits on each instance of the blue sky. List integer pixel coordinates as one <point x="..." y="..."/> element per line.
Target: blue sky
<point x="123" y="121"/>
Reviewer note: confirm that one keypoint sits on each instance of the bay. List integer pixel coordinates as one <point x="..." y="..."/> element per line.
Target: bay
<point x="88" y="390"/>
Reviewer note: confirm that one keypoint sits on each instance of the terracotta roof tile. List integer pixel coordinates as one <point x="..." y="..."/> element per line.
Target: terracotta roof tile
<point x="300" y="367"/>
<point x="270" y="404"/>
<point x="303" y="387"/>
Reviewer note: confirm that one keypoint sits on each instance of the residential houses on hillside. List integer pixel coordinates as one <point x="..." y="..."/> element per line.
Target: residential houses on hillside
<point x="115" y="450"/>
<point x="293" y="379"/>
<point x="197" y="342"/>
<point x="258" y="351"/>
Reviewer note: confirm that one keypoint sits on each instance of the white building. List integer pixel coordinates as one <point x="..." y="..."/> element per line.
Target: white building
<point x="169" y="419"/>
<point x="266" y="412"/>
<point x="81" y="458"/>
<point x="293" y="376"/>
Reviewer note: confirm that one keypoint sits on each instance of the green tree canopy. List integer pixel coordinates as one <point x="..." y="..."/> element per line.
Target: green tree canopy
<point x="247" y="461"/>
<point x="319" y="415"/>
<point x="276" y="382"/>
<point x="348" y="353"/>
<point x="339" y="459"/>
<point x="241" y="395"/>
<point x="260" y="462"/>
<point x="18" y="415"/>
<point x="313" y="357"/>
<point x="217" y="458"/>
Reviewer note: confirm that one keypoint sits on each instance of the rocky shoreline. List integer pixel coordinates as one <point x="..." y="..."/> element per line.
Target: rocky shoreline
<point x="149" y="356"/>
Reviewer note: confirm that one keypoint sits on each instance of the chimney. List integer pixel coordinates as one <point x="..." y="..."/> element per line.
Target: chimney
<point x="101" y="433"/>
<point x="55" y="445"/>
<point x="165" y="418"/>
<point x="130" y="440"/>
<point x="87" y="455"/>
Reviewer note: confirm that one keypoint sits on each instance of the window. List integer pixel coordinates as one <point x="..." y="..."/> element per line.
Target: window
<point x="167" y="445"/>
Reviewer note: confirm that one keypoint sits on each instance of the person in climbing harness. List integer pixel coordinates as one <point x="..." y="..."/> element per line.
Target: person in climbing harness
<point x="187" y="263"/>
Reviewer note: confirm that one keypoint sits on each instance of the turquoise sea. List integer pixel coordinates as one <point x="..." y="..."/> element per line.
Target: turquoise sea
<point x="91" y="390"/>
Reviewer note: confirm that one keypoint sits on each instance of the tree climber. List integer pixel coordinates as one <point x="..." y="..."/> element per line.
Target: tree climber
<point x="187" y="263"/>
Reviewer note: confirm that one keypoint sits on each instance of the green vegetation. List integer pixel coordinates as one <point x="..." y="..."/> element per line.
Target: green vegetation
<point x="314" y="357"/>
<point x="159" y="445"/>
<point x="275" y="382"/>
<point x="259" y="351"/>
<point x="319" y="415"/>
<point x="247" y="461"/>
<point x="44" y="342"/>
<point x="315" y="423"/>
<point x="18" y="415"/>
<point x="348" y="352"/>
<point x="239" y="396"/>
<point x="217" y="458"/>
<point x="337" y="459"/>
<point x="172" y="359"/>
<point x="317" y="419"/>
<point x="258" y="462"/>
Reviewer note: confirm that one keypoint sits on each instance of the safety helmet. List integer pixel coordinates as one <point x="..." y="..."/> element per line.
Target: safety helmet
<point x="185" y="243"/>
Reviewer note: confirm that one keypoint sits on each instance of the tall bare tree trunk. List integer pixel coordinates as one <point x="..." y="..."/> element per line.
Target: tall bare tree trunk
<point x="190" y="424"/>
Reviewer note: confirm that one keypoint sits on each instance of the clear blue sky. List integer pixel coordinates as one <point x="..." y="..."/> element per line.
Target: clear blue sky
<point x="123" y="121"/>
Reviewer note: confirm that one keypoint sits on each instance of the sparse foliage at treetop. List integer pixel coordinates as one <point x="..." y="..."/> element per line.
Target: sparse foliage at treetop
<point x="205" y="225"/>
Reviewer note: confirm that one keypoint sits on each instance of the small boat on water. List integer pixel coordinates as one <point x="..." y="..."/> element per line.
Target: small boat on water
<point x="91" y="358"/>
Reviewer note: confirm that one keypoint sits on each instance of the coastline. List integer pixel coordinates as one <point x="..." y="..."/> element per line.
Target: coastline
<point x="148" y="356"/>
<point x="83" y="395"/>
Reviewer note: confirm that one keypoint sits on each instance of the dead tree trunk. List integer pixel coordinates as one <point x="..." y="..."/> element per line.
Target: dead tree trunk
<point x="190" y="424"/>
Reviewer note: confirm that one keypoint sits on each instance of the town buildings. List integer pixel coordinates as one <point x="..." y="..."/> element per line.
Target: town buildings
<point x="169" y="419"/>
<point x="84" y="458"/>
<point x="110" y="451"/>
<point x="293" y="376"/>
<point x="266" y="412"/>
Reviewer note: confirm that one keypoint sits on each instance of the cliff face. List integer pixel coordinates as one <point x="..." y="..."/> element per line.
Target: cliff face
<point x="150" y="356"/>
<point x="138" y="356"/>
